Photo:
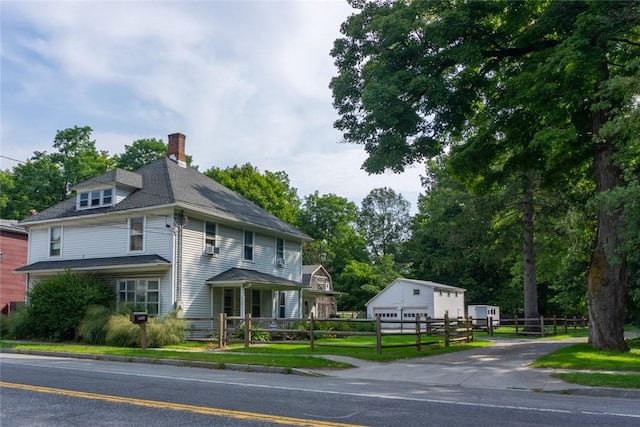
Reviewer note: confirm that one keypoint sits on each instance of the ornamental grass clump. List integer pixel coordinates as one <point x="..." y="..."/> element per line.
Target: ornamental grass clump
<point x="93" y="328"/>
<point x="168" y="330"/>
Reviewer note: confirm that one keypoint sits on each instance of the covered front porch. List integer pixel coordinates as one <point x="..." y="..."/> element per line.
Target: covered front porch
<point x="238" y="291"/>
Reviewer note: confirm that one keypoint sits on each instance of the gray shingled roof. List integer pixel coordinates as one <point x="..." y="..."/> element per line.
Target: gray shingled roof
<point x="119" y="176"/>
<point x="166" y="183"/>
<point x="251" y="276"/>
<point x="94" y="263"/>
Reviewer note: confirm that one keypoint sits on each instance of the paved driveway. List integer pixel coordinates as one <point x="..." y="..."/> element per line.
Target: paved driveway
<point x="502" y="365"/>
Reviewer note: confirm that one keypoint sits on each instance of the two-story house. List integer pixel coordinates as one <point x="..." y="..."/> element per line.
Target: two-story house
<point x="167" y="236"/>
<point x="13" y="254"/>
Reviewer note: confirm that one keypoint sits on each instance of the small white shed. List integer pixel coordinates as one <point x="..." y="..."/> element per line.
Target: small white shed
<point x="481" y="314"/>
<point x="406" y="298"/>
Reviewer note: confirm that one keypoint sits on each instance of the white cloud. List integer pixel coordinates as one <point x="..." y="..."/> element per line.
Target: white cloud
<point x="245" y="81"/>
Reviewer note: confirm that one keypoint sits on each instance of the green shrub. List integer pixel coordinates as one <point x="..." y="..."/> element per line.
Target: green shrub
<point x="93" y="327"/>
<point x="56" y="305"/>
<point x="19" y="324"/>
<point x="160" y="332"/>
<point x="262" y="336"/>
<point x="4" y="326"/>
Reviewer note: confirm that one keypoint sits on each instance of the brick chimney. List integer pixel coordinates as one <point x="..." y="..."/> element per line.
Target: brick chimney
<point x="176" y="149"/>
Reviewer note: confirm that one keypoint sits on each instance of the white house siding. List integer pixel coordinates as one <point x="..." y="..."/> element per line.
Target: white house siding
<point x="121" y="194"/>
<point x="38" y="244"/>
<point x="111" y="239"/>
<point x="198" y="267"/>
<point x="449" y="302"/>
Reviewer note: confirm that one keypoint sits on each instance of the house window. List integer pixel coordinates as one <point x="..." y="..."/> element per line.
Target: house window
<point x="280" y="252"/>
<point x="248" y="245"/>
<point x="55" y="241"/>
<point x="255" y="303"/>
<point x="107" y="196"/>
<point x="416" y="291"/>
<point x="281" y="305"/>
<point x="228" y="301"/>
<point x="140" y="294"/>
<point x="95" y="198"/>
<point x="210" y="237"/>
<point x="136" y="233"/>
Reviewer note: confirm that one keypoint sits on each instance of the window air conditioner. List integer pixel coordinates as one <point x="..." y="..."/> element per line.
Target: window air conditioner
<point x="212" y="250"/>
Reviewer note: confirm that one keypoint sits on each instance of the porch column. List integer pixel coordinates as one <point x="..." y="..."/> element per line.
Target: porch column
<point x="300" y="304"/>
<point x="242" y="301"/>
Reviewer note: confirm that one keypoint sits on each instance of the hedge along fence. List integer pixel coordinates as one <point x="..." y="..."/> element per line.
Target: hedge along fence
<point x="542" y="326"/>
<point x="258" y="330"/>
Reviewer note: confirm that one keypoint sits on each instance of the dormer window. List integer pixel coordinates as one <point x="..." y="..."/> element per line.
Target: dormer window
<point x="95" y="198"/>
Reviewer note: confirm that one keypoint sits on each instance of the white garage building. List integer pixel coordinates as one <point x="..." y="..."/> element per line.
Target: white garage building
<point x="405" y="298"/>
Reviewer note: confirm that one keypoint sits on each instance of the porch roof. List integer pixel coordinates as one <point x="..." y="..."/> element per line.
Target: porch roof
<point x="242" y="276"/>
<point x="147" y="262"/>
<point x="319" y="293"/>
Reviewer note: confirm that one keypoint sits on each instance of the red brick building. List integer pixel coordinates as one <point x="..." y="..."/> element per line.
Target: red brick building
<point x="13" y="254"/>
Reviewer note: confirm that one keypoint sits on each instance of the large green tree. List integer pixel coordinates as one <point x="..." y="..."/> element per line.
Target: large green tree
<point x="142" y="152"/>
<point x="331" y="221"/>
<point x="272" y="191"/>
<point x="47" y="178"/>
<point x="384" y="220"/>
<point x="417" y="76"/>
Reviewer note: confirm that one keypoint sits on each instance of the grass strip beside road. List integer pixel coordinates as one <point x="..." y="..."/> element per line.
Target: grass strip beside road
<point x="582" y="357"/>
<point x="199" y="355"/>
<point x="601" y="380"/>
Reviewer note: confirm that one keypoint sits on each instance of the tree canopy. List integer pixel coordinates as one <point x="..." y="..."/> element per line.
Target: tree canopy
<point x="271" y="191"/>
<point x="416" y="77"/>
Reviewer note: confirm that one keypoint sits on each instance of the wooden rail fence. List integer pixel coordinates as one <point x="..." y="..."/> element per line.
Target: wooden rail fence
<point x="250" y="331"/>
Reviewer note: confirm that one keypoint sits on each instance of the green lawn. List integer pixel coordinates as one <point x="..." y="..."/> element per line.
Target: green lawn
<point x="289" y="355"/>
<point x="583" y="357"/>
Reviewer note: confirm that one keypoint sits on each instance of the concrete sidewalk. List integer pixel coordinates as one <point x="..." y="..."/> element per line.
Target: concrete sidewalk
<point x="503" y="365"/>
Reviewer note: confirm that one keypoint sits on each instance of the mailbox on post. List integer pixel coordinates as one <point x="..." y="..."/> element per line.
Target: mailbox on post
<point x="139" y="317"/>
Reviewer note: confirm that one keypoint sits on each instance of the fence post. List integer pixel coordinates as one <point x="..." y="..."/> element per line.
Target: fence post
<point x="566" y="330"/>
<point x="221" y="331"/>
<point x="515" y="318"/>
<point x="555" y="326"/>
<point x="418" y="343"/>
<point x="247" y="330"/>
<point x="378" y="335"/>
<point x="311" y="331"/>
<point x="446" y="329"/>
<point x="490" y="325"/>
<point x="575" y="325"/>
<point x="469" y="330"/>
<point x="542" y="326"/>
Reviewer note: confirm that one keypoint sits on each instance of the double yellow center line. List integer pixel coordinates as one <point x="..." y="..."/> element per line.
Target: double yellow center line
<point x="179" y="407"/>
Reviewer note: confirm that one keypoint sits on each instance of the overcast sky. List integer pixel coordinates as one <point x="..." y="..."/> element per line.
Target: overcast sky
<point x="245" y="81"/>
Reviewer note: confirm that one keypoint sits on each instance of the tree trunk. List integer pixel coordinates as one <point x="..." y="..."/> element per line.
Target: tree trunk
<point x="607" y="280"/>
<point x="529" y="257"/>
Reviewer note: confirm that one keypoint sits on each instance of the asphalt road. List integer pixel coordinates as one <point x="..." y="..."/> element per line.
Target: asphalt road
<point x="51" y="391"/>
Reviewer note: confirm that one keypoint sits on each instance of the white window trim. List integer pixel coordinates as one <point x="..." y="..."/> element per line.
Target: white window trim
<point x="280" y="259"/>
<point x="253" y="245"/>
<point x="144" y="235"/>
<point x="101" y="204"/>
<point x="49" y="240"/>
<point x="137" y="282"/>
<point x="216" y="237"/>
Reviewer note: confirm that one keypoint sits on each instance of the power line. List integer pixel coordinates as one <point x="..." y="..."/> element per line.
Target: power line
<point x="12" y="159"/>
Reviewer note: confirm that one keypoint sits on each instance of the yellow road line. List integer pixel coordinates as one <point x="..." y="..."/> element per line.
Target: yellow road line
<point x="179" y="407"/>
